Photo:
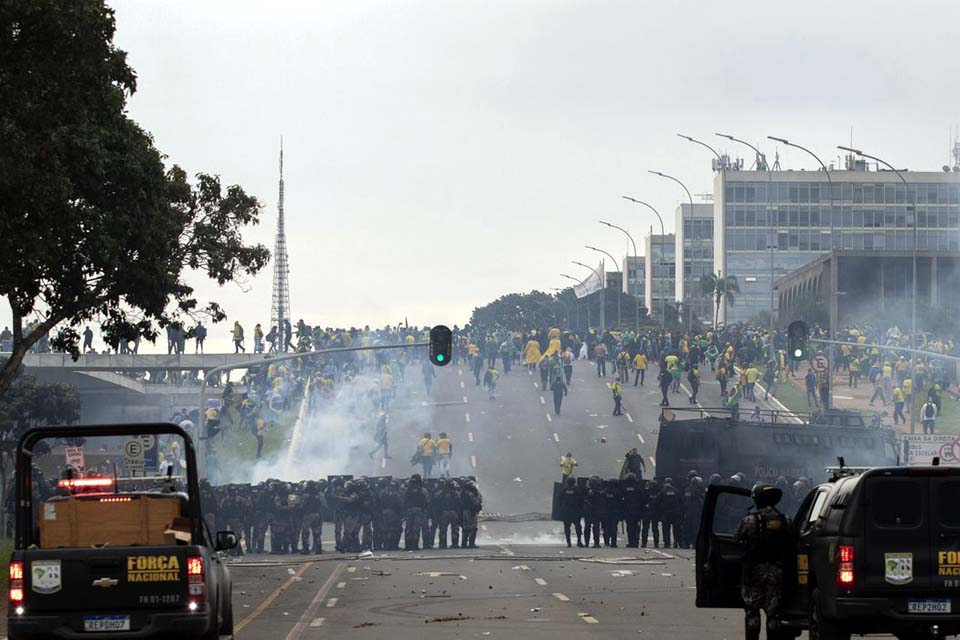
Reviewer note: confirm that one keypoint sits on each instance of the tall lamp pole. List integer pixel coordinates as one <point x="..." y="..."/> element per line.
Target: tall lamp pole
<point x="704" y="144"/>
<point x="603" y="298"/>
<point x="834" y="261"/>
<point x="687" y="294"/>
<point x="636" y="261"/>
<point x="578" y="307"/>
<point x="762" y="166"/>
<point x="663" y="317"/>
<point x="913" y="305"/>
<point x="614" y="260"/>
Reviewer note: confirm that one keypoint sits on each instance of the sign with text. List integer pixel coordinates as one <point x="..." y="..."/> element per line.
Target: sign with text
<point x="922" y="449"/>
<point x="75" y="458"/>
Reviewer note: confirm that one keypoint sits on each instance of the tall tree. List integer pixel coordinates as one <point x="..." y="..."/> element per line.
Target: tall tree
<point x="720" y="287"/>
<point x="92" y="224"/>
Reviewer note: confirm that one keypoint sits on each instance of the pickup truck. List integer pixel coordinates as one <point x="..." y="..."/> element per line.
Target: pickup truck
<point x="119" y="550"/>
<point x="874" y="551"/>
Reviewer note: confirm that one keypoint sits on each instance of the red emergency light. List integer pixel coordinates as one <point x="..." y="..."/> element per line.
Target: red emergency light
<point x="86" y="483"/>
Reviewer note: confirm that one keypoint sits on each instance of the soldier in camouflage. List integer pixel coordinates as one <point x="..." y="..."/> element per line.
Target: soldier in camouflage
<point x="765" y="534"/>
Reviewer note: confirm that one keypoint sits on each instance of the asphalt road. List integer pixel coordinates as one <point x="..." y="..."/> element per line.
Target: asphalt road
<point x="522" y="581"/>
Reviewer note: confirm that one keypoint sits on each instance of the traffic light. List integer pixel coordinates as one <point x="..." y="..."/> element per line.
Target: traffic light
<point x="797" y="335"/>
<point x="441" y="345"/>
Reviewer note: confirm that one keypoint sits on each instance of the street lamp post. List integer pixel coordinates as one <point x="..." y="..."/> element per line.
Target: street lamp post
<point x="636" y="266"/>
<point x="913" y="305"/>
<point x="663" y="317"/>
<point x="578" y="308"/>
<point x="762" y="166"/>
<point x="614" y="260"/>
<point x="603" y="298"/>
<point x="686" y="294"/>
<point x="704" y="144"/>
<point x="834" y="261"/>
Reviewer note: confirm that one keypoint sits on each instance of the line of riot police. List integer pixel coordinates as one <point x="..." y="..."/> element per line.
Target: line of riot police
<point x="367" y="513"/>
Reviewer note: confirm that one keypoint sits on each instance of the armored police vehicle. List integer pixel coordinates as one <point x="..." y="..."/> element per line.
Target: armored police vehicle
<point x="114" y="546"/>
<point x="773" y="444"/>
<point x="872" y="551"/>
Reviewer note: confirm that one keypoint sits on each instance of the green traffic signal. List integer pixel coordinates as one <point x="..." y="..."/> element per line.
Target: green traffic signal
<point x="797" y="336"/>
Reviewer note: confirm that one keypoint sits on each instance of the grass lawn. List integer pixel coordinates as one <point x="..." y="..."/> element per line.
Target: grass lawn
<point x="792" y="397"/>
<point x="241" y="445"/>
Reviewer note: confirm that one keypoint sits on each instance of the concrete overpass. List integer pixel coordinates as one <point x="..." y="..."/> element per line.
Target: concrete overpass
<point x="110" y="394"/>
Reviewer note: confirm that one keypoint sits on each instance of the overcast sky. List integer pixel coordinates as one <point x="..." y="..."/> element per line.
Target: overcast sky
<point x="439" y="154"/>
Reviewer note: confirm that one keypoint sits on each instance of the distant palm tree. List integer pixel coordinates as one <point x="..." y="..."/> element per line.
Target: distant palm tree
<point x="719" y="286"/>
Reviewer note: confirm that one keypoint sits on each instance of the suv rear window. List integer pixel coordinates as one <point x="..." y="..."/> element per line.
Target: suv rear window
<point x="895" y="503"/>
<point x="948" y="499"/>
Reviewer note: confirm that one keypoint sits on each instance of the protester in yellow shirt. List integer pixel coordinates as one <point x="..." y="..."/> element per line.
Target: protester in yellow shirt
<point x="567" y="463"/>
<point x="444" y="453"/>
<point x="640" y="365"/>
<point x="426" y="451"/>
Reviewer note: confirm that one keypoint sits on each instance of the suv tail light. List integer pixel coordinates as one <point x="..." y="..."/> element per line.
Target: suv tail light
<point x="845" y="575"/>
<point x="16" y="582"/>
<point x="195" y="582"/>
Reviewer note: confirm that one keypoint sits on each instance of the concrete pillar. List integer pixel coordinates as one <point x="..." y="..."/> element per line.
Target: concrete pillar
<point x="934" y="288"/>
<point x="832" y="292"/>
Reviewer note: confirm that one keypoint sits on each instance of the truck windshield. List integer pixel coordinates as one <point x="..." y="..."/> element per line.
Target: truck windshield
<point x="115" y="491"/>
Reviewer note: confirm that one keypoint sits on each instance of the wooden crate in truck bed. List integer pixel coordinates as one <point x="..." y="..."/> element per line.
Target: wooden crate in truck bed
<point x="115" y="520"/>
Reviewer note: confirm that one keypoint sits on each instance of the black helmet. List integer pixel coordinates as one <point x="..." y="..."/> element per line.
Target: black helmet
<point x="715" y="478"/>
<point x="781" y="482"/>
<point x="630" y="477"/>
<point x="692" y="474"/>
<point x="571" y="481"/>
<point x="766" y="495"/>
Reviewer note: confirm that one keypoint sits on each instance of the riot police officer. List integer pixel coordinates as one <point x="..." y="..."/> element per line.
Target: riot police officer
<point x="570" y="509"/>
<point x="415" y="512"/>
<point x="448" y="505"/>
<point x="633" y="503"/>
<point x="471" y="503"/>
<point x="669" y="506"/>
<point x="390" y="520"/>
<point x="765" y="534"/>
<point x="593" y="506"/>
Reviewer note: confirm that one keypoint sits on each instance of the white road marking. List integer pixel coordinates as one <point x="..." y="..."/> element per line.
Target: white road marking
<point x="470" y="436"/>
<point x="351" y="569"/>
<point x="505" y="550"/>
<point x="317" y="622"/>
<point x="309" y="615"/>
<point x="462" y="386"/>
<point x="561" y="597"/>
<point x="459" y="372"/>
<point x="653" y="460"/>
<point x="549" y="418"/>
<point x="629" y="417"/>
<point x="383" y="463"/>
<point x="332" y="602"/>
<point x="464" y="399"/>
<point x="536" y="385"/>
<point x="341" y="585"/>
<point x="542" y="401"/>
<point x="540" y="581"/>
<point x="483" y="527"/>
<point x="466" y="416"/>
<point x="586" y="617"/>
<point x="642" y="441"/>
<point x="556" y="438"/>
<point x="473" y="461"/>
<point x="842" y="397"/>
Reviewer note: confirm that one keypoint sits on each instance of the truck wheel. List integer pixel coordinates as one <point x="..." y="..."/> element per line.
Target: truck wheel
<point x="226" y="627"/>
<point x="822" y="628"/>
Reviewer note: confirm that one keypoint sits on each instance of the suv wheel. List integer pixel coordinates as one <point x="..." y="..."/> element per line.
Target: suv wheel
<point x="822" y="628"/>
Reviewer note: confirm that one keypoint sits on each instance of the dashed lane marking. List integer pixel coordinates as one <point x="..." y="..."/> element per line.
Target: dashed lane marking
<point x="351" y="569"/>
<point x="483" y="527"/>
<point x="540" y="581"/>
<point x="464" y="399"/>
<point x="462" y="386"/>
<point x="270" y="598"/>
<point x="549" y="418"/>
<point x="466" y="417"/>
<point x="383" y="463"/>
<point x="542" y="401"/>
<point x="653" y="460"/>
<point x="642" y="441"/>
<point x="341" y="585"/>
<point x="586" y="617"/>
<point x="309" y="616"/>
<point x="459" y="372"/>
<point x="470" y="436"/>
<point x="473" y="461"/>
<point x="332" y="602"/>
<point x="629" y="417"/>
<point x="536" y="385"/>
<point x="556" y="438"/>
<point x="561" y="597"/>
<point x="505" y="550"/>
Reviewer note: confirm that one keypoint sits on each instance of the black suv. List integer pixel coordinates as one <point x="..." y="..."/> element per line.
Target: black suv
<point x="876" y="551"/>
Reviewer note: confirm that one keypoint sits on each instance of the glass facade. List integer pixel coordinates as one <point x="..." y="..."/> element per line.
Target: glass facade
<point x="777" y="226"/>
<point x="661" y="271"/>
<point x="697" y="238"/>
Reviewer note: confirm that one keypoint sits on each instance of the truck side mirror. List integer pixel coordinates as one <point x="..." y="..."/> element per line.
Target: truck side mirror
<point x="226" y="540"/>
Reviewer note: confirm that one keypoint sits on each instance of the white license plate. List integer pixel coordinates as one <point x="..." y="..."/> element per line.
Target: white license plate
<point x="928" y="606"/>
<point x="106" y="623"/>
